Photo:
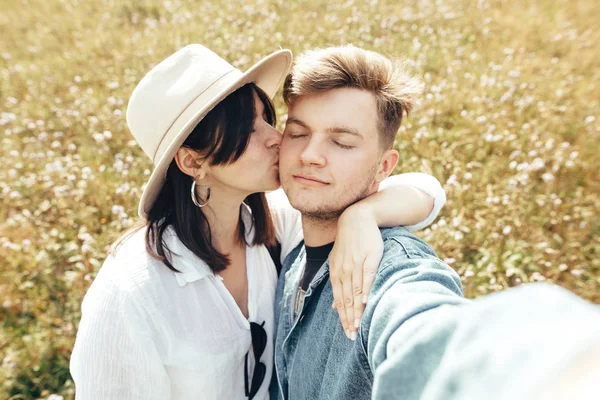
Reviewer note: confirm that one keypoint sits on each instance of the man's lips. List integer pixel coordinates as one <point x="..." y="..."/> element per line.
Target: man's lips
<point x="308" y="180"/>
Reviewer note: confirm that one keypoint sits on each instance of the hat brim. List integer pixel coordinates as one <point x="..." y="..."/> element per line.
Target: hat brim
<point x="268" y="74"/>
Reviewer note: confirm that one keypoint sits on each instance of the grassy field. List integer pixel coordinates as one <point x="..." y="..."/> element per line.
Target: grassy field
<point x="509" y="123"/>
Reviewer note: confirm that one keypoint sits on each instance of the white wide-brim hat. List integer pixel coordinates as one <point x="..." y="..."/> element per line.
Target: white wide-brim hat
<point x="176" y="94"/>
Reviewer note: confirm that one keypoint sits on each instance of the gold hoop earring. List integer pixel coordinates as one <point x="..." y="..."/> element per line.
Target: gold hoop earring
<point x="194" y="197"/>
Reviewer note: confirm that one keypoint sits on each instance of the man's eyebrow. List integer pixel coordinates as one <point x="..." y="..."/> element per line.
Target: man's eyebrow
<point x="292" y="120"/>
<point x="343" y="129"/>
<point x="333" y="129"/>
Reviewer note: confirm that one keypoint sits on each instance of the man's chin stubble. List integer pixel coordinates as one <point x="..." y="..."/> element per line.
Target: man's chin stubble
<point x="322" y="216"/>
<point x="326" y="215"/>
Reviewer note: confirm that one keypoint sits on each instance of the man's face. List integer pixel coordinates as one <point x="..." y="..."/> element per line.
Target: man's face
<point x="330" y="154"/>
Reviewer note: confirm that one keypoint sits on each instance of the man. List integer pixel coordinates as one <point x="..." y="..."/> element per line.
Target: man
<point x="418" y="338"/>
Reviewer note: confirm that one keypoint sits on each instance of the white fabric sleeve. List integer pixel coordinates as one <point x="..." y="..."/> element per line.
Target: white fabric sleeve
<point x="114" y="355"/>
<point x="287" y="221"/>
<point x="428" y="184"/>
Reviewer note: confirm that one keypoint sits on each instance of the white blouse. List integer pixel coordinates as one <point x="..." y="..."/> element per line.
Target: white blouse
<point x="149" y="333"/>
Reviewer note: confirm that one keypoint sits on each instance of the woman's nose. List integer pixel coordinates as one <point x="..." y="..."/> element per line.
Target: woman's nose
<point x="273" y="138"/>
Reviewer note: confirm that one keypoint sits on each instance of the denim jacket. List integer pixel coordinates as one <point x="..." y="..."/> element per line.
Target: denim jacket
<point x="419" y="338"/>
<point x="313" y="358"/>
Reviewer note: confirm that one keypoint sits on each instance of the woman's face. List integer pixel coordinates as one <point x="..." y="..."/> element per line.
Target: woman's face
<point x="257" y="170"/>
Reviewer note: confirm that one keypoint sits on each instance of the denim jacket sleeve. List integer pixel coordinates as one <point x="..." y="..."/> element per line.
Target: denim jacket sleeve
<point x="411" y="283"/>
<point x="423" y="341"/>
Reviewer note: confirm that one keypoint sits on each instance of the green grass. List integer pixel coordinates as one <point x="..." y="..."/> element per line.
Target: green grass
<point x="509" y="123"/>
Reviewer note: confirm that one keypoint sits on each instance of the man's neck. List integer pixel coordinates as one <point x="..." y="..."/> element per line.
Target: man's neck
<point x="318" y="232"/>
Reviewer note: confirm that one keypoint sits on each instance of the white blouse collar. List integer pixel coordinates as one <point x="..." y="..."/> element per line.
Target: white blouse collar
<point x="191" y="267"/>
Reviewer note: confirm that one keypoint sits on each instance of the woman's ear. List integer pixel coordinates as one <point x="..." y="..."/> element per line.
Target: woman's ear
<point x="187" y="161"/>
<point x="389" y="160"/>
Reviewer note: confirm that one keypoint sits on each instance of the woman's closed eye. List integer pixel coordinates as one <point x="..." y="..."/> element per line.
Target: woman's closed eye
<point x="258" y="122"/>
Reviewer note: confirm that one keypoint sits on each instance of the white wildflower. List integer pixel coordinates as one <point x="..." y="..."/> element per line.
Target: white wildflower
<point x="98" y="137"/>
<point x="548" y="177"/>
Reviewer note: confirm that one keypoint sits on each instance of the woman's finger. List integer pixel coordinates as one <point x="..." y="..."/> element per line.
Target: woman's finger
<point x="338" y="302"/>
<point x="348" y="297"/>
<point x="368" y="277"/>
<point x="357" y="292"/>
<point x="335" y="278"/>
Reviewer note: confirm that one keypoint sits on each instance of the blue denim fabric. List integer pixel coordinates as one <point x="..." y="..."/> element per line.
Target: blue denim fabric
<point x="419" y="338"/>
<point x="507" y="345"/>
<point x="313" y="357"/>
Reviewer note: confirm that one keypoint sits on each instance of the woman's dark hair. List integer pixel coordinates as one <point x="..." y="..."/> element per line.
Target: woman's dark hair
<point x="223" y="136"/>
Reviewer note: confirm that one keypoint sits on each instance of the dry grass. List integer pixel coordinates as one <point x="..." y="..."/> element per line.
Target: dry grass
<point x="509" y="124"/>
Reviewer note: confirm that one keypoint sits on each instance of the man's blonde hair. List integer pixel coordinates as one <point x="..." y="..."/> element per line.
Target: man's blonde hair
<point x="347" y="66"/>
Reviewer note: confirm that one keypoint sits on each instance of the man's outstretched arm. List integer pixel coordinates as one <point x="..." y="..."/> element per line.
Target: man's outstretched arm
<point x="423" y="343"/>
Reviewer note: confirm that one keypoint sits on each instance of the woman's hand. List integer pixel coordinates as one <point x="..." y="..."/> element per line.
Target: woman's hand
<point x="353" y="263"/>
<point x="413" y="200"/>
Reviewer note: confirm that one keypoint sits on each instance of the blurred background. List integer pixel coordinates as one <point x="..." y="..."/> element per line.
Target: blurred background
<point x="509" y="124"/>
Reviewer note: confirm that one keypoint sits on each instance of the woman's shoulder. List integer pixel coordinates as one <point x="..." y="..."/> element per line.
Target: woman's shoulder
<point x="129" y="243"/>
<point x="128" y="266"/>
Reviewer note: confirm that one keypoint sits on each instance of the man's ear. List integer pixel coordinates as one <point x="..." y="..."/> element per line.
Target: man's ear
<point x="187" y="161"/>
<point x="388" y="162"/>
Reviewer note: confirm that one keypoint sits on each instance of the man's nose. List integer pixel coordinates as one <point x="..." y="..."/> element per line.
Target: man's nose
<point x="312" y="153"/>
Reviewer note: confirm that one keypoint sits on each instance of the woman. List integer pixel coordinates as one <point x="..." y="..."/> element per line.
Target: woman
<point x="169" y="314"/>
